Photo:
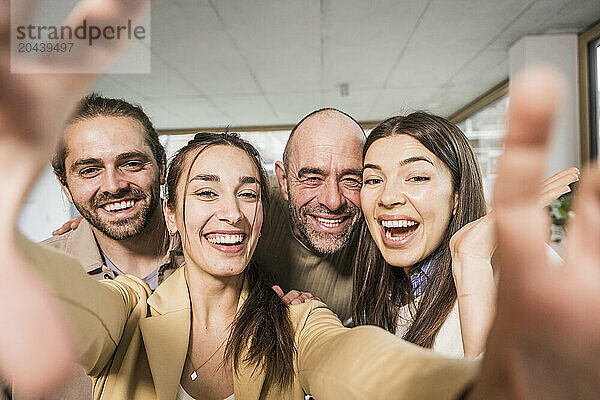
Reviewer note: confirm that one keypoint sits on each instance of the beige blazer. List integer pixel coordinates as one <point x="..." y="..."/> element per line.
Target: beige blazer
<point x="134" y="343"/>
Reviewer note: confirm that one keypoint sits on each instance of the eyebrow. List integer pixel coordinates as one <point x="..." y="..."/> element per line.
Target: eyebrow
<point x="206" y="177"/>
<point x="133" y="154"/>
<point x="317" y="171"/>
<point x="352" y="171"/>
<point x="401" y="163"/>
<point x="248" y="179"/>
<point x="215" y="178"/>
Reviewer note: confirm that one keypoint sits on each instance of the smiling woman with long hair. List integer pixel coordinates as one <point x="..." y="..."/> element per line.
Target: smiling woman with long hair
<point x="427" y="240"/>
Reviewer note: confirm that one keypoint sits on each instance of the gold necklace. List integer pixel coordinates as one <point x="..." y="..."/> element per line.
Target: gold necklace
<point x="194" y="374"/>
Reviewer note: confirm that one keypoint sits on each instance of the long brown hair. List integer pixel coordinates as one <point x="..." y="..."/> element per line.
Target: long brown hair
<point x="379" y="288"/>
<point x="263" y="322"/>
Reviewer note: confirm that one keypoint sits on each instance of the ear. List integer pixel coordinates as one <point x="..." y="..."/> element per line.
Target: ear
<point x="282" y="179"/>
<point x="65" y="189"/>
<point x="455" y="203"/>
<point x="169" y="218"/>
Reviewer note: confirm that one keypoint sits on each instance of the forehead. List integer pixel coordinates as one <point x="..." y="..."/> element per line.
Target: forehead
<point x="227" y="162"/>
<point x="389" y="151"/>
<point x="104" y="137"/>
<point x="329" y="142"/>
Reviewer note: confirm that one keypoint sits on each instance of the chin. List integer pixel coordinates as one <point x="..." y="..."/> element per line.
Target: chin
<point x="399" y="260"/>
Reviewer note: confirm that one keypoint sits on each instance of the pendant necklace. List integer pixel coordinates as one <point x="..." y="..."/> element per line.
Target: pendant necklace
<point x="194" y="374"/>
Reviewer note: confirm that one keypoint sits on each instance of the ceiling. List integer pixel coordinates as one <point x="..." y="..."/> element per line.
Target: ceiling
<point x="219" y="63"/>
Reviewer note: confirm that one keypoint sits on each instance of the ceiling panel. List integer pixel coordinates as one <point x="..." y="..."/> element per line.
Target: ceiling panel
<point x="267" y="62"/>
<point x="279" y="41"/>
<point x="363" y="39"/>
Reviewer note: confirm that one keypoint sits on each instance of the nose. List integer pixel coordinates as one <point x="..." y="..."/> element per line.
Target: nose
<point x="392" y="195"/>
<point x="113" y="181"/>
<point x="330" y="195"/>
<point x="230" y="212"/>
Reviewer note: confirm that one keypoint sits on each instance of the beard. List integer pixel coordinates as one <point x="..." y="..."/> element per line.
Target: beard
<point x="317" y="240"/>
<point x="127" y="227"/>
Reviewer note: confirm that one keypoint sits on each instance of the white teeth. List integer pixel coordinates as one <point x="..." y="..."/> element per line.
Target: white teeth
<point x="219" y="238"/>
<point x="397" y="223"/>
<point x="119" y="206"/>
<point x="388" y="235"/>
<point x="330" y="223"/>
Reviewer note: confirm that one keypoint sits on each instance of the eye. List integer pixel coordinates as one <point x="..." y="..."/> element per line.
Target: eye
<point x="352" y="183"/>
<point x="89" y="172"/>
<point x="372" y="181"/>
<point x="133" y="165"/>
<point x="248" y="195"/>
<point x="312" y="181"/>
<point x="418" y="179"/>
<point x="206" y="194"/>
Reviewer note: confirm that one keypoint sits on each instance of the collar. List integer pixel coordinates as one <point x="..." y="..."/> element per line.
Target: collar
<point x="166" y="337"/>
<point x="81" y="244"/>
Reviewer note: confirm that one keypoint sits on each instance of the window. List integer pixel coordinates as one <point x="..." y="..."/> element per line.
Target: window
<point x="589" y="92"/>
<point x="594" y="100"/>
<point x="484" y="124"/>
<point x="270" y="144"/>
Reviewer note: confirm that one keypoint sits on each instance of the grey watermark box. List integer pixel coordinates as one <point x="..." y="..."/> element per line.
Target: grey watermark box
<point x="60" y="39"/>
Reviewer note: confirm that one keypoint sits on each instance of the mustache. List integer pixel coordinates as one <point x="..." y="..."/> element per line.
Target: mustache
<point x="123" y="194"/>
<point x="345" y="209"/>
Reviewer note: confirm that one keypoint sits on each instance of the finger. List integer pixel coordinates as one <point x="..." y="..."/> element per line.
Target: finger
<point x="534" y="99"/>
<point x="103" y="52"/>
<point x="563" y="180"/>
<point x="552" y="194"/>
<point x="560" y="175"/>
<point x="75" y="222"/>
<point x="583" y="244"/>
<point x="290" y="296"/>
<point x="278" y="290"/>
<point x="306" y="296"/>
<point x="20" y="13"/>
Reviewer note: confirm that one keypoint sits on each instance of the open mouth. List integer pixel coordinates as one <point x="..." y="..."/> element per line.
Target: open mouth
<point x="227" y="242"/>
<point x="398" y="231"/>
<point x="222" y="239"/>
<point x="119" y="206"/>
<point x="330" y="223"/>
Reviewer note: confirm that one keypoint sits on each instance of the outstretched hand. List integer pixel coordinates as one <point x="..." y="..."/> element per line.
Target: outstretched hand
<point x="544" y="342"/>
<point x="33" y="108"/>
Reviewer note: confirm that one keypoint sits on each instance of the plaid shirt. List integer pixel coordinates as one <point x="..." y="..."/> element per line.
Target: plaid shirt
<point x="419" y="276"/>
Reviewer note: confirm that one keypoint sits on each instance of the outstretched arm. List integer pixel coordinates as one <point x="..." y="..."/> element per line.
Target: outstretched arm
<point x="544" y="342"/>
<point x="472" y="248"/>
<point x="33" y="109"/>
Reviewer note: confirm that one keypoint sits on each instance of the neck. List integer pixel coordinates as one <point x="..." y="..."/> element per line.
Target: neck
<point x="139" y="255"/>
<point x="214" y="299"/>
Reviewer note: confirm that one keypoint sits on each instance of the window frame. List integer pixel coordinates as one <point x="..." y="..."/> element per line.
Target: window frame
<point x="589" y="129"/>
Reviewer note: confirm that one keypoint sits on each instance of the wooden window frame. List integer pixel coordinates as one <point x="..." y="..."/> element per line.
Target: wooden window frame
<point x="588" y="148"/>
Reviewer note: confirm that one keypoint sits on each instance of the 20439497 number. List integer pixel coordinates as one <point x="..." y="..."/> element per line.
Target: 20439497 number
<point x="45" y="47"/>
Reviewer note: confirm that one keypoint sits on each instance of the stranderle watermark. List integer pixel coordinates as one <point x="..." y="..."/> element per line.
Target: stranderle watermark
<point x="65" y="47"/>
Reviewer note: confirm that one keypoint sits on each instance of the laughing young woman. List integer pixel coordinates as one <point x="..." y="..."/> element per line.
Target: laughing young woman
<point x="423" y="267"/>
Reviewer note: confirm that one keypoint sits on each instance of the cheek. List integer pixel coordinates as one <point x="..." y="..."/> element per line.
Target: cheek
<point x="352" y="195"/>
<point x="367" y="200"/>
<point x="195" y="219"/>
<point x="302" y="195"/>
<point x="436" y="209"/>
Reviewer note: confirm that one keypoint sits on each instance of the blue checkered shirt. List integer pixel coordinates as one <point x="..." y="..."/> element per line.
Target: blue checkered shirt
<point x="419" y="276"/>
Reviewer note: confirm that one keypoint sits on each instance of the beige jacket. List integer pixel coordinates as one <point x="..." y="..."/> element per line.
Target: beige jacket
<point x="135" y="342"/>
<point x="81" y="244"/>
